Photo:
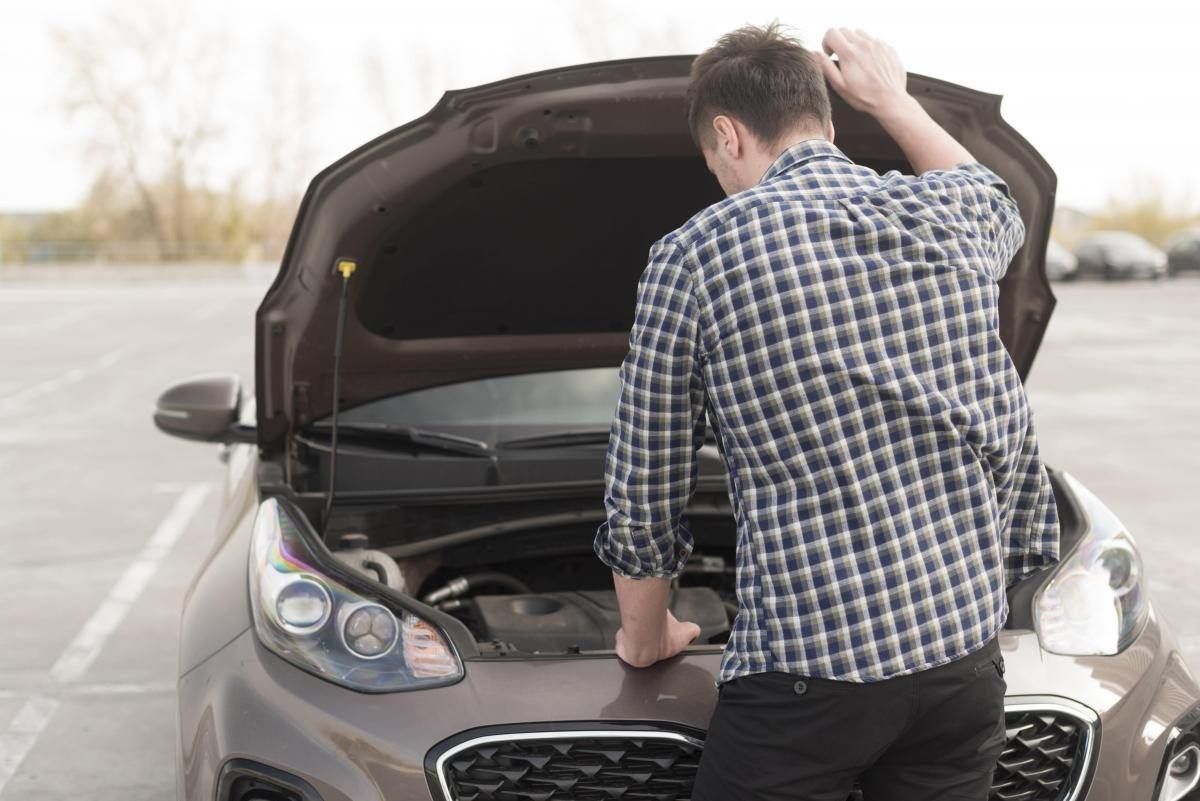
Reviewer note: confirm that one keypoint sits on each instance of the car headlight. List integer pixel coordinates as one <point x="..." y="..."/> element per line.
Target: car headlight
<point x="1094" y="603"/>
<point x="319" y="623"/>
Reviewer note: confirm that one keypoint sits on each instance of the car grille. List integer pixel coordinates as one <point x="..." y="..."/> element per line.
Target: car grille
<point x="1045" y="760"/>
<point x="579" y="766"/>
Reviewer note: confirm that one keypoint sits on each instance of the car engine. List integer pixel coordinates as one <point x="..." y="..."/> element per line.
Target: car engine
<point x="563" y="604"/>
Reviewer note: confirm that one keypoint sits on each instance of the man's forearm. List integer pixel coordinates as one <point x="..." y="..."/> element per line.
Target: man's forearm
<point x="643" y="604"/>
<point x="926" y="145"/>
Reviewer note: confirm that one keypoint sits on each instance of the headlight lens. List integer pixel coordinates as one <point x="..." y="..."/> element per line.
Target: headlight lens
<point x="1094" y="604"/>
<point x="320" y="624"/>
<point x="302" y="605"/>
<point x="369" y="630"/>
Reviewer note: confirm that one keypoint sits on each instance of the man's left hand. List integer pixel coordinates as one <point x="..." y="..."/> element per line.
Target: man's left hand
<point x="675" y="636"/>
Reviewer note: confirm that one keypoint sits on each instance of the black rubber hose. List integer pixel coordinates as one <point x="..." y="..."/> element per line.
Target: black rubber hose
<point x="454" y="603"/>
<point x="501" y="579"/>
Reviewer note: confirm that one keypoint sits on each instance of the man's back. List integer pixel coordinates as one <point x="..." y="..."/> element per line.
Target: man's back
<point x="883" y="462"/>
<point x="842" y="328"/>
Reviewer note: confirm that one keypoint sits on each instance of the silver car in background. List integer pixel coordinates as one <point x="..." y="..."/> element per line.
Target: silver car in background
<point x="1120" y="254"/>
<point x="1183" y="252"/>
<point x="1061" y="264"/>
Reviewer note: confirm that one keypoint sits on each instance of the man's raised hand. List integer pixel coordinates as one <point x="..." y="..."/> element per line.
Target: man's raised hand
<point x="868" y="73"/>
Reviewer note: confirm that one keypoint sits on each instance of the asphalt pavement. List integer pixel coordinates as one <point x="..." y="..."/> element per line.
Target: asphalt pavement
<point x="103" y="520"/>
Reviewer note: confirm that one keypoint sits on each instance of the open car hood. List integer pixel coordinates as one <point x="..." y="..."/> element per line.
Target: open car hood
<point x="505" y="232"/>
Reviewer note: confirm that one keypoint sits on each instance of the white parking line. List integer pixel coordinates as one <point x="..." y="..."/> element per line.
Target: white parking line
<point x="18" y="399"/>
<point x="81" y="652"/>
<point x="127" y="688"/>
<point x="42" y="325"/>
<point x="22" y="733"/>
<point x="84" y="649"/>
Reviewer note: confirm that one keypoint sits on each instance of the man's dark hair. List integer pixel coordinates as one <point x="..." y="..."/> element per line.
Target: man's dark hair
<point x="761" y="76"/>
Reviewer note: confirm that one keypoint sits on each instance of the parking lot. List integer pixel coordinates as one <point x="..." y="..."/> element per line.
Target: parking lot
<point x="104" y="520"/>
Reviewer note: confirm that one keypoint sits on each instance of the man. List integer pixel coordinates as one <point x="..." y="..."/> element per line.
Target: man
<point x="885" y="475"/>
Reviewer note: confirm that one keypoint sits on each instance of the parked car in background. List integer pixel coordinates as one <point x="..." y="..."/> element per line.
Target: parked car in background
<point x="1061" y="264"/>
<point x="1183" y="252"/>
<point x="1119" y="254"/>
<point x="440" y="628"/>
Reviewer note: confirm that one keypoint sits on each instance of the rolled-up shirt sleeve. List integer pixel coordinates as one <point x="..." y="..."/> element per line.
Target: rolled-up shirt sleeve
<point x="651" y="463"/>
<point x="1030" y="514"/>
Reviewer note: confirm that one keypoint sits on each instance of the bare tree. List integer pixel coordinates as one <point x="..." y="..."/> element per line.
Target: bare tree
<point x="404" y="87"/>
<point x="145" y="85"/>
<point x="379" y="84"/>
<point x="284" y="121"/>
<point x="605" y="32"/>
<point x="403" y="81"/>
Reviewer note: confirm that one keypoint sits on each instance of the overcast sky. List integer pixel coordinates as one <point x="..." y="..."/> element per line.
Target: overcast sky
<point x="1108" y="92"/>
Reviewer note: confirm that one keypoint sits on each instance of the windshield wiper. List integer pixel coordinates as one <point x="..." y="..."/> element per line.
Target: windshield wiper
<point x="558" y="439"/>
<point x="570" y="439"/>
<point x="438" y="440"/>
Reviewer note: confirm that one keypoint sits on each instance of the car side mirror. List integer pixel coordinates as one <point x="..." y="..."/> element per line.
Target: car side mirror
<point x="205" y="409"/>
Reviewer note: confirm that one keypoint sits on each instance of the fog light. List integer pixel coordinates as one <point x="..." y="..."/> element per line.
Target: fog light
<point x="1183" y="773"/>
<point x="303" y="605"/>
<point x="370" y="630"/>
<point x="1183" y="763"/>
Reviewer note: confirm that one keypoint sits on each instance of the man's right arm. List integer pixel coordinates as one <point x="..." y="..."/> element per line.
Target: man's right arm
<point x="869" y="76"/>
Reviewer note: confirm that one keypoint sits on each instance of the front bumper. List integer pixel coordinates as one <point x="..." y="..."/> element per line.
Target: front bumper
<point x="244" y="703"/>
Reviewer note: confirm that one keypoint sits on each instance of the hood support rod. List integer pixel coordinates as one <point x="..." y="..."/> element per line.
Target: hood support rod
<point x="346" y="267"/>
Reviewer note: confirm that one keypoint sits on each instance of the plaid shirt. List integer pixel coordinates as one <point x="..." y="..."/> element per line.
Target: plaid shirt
<point x="883" y="467"/>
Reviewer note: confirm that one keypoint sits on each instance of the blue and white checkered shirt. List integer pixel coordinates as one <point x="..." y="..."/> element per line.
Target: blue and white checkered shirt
<point x="883" y="466"/>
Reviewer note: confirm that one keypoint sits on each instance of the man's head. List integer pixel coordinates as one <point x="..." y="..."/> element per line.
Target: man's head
<point x="752" y="94"/>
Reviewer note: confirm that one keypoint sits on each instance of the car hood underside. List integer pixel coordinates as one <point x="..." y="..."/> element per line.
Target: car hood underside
<point x="505" y="231"/>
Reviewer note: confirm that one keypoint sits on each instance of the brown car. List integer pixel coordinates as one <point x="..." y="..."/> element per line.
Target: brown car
<point x="440" y="627"/>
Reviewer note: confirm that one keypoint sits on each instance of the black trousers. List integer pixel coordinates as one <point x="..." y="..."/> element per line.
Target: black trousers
<point x="933" y="734"/>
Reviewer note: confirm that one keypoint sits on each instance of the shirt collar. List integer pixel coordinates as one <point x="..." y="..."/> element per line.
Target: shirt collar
<point x="802" y="152"/>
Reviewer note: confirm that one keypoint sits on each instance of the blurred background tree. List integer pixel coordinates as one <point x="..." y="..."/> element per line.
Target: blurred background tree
<point x="148" y="92"/>
<point x="1146" y="207"/>
<point x="198" y="141"/>
<point x="144" y="86"/>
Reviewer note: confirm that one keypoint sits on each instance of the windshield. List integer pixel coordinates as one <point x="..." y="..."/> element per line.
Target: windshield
<point x="504" y="407"/>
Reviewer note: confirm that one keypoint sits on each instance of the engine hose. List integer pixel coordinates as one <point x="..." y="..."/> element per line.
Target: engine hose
<point x="463" y="584"/>
<point x="452" y="604"/>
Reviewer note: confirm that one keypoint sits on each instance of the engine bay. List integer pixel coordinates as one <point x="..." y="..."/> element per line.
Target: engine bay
<point x="585" y="620"/>
<point x="539" y="591"/>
